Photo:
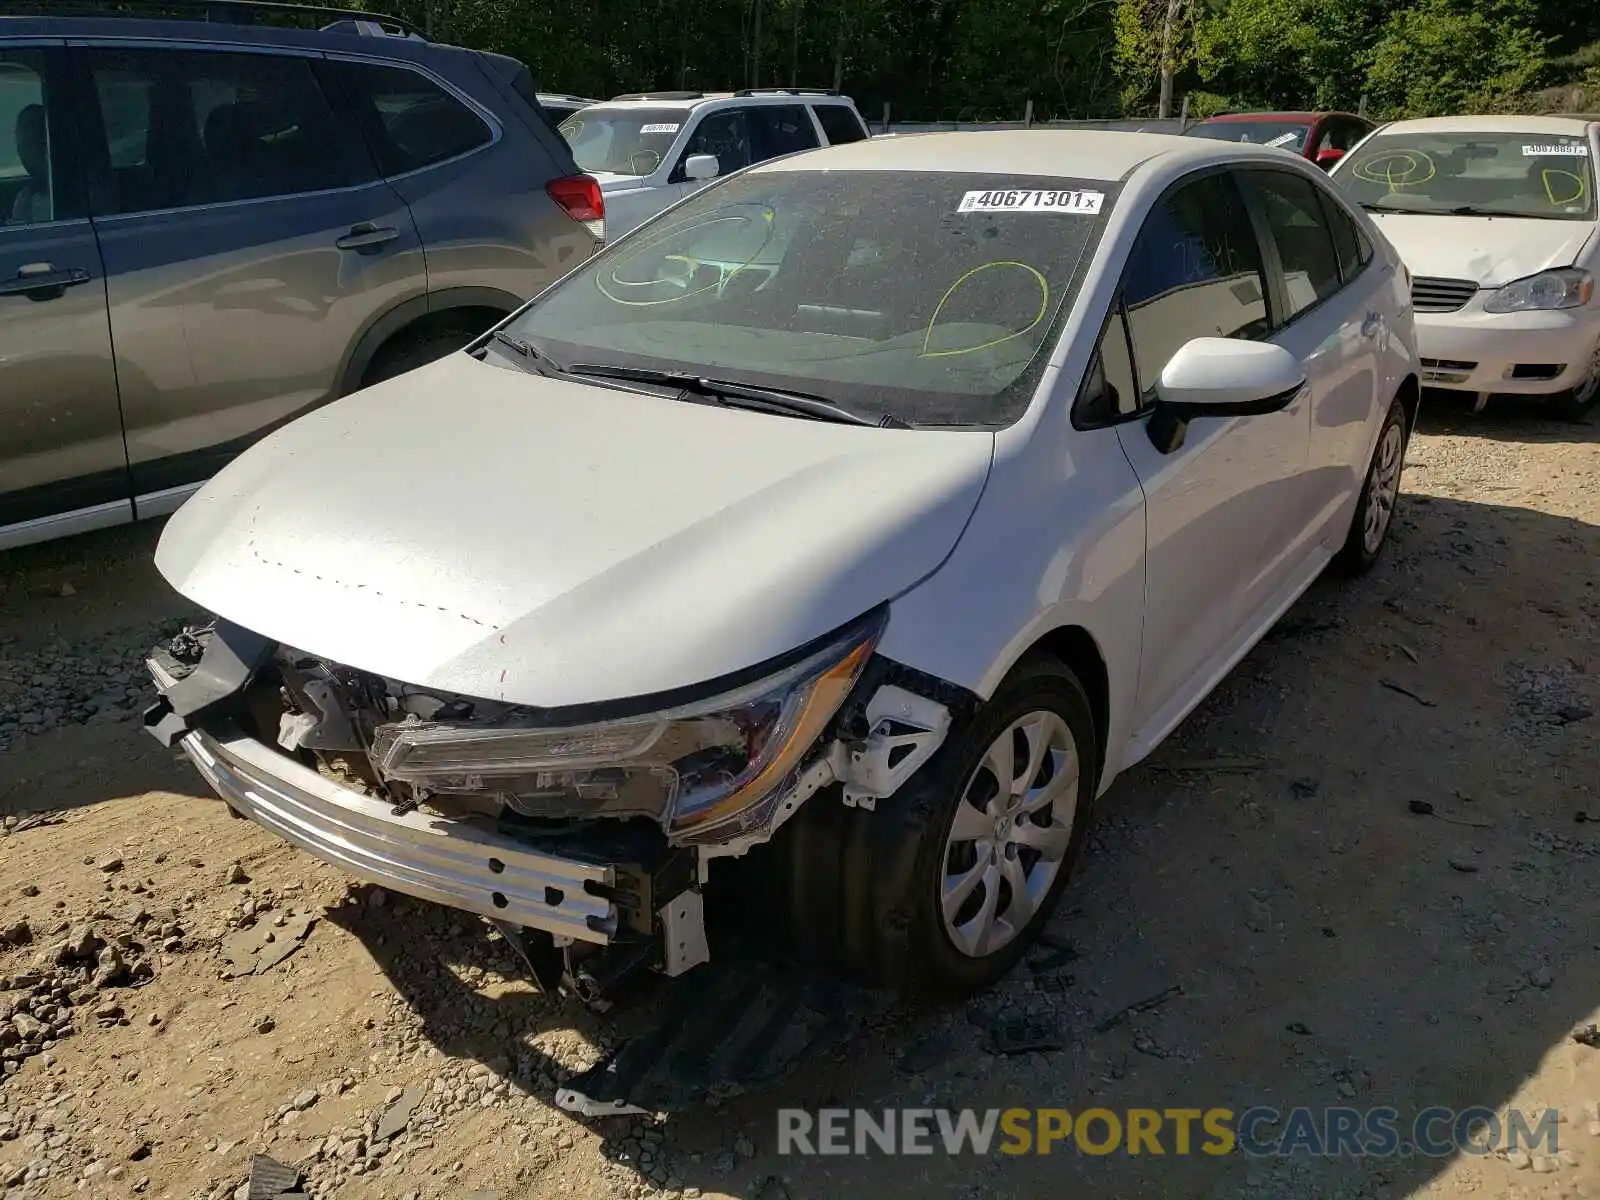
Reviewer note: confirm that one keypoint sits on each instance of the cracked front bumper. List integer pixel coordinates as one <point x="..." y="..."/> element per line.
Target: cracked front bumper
<point x="456" y="863"/>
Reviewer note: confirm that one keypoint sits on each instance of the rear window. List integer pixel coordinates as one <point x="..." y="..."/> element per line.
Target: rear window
<point x="1289" y="135"/>
<point x="933" y="297"/>
<point x="411" y="121"/>
<point x="840" y="124"/>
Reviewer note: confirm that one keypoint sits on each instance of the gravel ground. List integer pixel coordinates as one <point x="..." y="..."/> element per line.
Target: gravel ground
<point x="1365" y="872"/>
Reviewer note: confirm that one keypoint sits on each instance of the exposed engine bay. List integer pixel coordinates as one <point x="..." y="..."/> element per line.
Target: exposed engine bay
<point x="639" y="798"/>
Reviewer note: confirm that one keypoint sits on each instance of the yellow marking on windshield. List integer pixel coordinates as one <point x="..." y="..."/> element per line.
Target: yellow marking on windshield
<point x="1044" y="302"/>
<point x="1398" y="168"/>
<point x="1550" y="176"/>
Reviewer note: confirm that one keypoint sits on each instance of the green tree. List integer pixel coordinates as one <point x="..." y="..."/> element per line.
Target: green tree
<point x="1443" y="56"/>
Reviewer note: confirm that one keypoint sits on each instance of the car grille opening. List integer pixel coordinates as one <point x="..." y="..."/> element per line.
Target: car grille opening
<point x="1536" y="370"/>
<point x="1431" y="294"/>
<point x="1446" y="370"/>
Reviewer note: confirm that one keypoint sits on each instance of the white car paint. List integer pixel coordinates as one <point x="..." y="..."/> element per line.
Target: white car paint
<point x="633" y="199"/>
<point x="554" y="542"/>
<point x="1477" y="350"/>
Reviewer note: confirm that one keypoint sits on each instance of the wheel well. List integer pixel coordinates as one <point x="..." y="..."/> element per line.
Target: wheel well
<point x="1074" y="646"/>
<point x="1410" y="397"/>
<point x="475" y="318"/>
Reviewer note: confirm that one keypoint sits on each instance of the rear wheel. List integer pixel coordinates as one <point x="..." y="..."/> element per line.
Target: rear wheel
<point x="942" y="889"/>
<point x="1380" y="491"/>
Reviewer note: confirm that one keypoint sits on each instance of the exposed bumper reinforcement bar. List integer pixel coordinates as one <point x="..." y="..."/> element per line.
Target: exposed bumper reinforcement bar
<point x="456" y="863"/>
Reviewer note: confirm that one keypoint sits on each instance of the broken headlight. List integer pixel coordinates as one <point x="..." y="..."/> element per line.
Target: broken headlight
<point x="708" y="770"/>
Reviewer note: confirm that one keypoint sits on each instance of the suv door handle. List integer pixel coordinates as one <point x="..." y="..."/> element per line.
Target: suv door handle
<point x="41" y="281"/>
<point x="1373" y="323"/>
<point x="364" y="235"/>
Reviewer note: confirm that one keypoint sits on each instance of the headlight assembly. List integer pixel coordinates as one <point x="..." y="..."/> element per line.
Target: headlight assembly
<point x="707" y="770"/>
<point x="1564" y="287"/>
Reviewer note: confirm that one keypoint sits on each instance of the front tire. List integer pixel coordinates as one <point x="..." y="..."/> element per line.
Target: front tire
<point x="1380" y="491"/>
<point x="941" y="890"/>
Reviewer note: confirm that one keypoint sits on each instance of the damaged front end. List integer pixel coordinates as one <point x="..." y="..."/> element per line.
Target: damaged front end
<point x="585" y="835"/>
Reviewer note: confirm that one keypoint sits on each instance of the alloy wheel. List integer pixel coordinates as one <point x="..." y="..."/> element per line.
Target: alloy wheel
<point x="1010" y="833"/>
<point x="1383" y="487"/>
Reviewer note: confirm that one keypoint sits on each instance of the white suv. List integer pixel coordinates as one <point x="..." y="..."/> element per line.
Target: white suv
<point x="651" y="149"/>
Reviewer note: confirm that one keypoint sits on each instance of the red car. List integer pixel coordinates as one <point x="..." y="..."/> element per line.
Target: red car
<point x="1323" y="137"/>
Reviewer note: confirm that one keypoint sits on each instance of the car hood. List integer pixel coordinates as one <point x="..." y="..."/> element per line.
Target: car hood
<point x="502" y="535"/>
<point x="1488" y="250"/>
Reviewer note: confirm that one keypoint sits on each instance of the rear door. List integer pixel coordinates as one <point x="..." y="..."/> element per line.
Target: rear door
<point x="247" y="244"/>
<point x="1221" y="520"/>
<point x="62" y="466"/>
<point x="1329" y="316"/>
<point x="782" y="129"/>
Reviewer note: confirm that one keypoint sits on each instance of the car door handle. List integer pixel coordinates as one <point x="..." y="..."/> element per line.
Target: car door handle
<point x="364" y="235"/>
<point x="1371" y="326"/>
<point x="42" y="281"/>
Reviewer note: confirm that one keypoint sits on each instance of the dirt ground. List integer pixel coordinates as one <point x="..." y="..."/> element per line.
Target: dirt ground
<point x="1327" y="943"/>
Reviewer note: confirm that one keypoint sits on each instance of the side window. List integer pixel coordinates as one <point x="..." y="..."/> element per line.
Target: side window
<point x="725" y="133"/>
<point x="1195" y="271"/>
<point x="410" y="121"/>
<point x="1353" y="249"/>
<point x="1305" y="245"/>
<point x="1109" y="390"/>
<point x="840" y="123"/>
<point x="27" y="181"/>
<point x="186" y="127"/>
<point x="782" y="129"/>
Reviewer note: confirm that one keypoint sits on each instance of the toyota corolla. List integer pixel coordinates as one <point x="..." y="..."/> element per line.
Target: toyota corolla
<point x="865" y="514"/>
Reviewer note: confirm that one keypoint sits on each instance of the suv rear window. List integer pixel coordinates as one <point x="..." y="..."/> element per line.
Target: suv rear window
<point x="931" y="296"/>
<point x="840" y="124"/>
<point x="411" y="121"/>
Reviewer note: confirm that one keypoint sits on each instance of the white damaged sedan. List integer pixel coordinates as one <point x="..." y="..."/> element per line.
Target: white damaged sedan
<point x="862" y="516"/>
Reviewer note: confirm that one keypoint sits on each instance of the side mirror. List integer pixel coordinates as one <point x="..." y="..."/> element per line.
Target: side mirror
<point x="701" y="166"/>
<point x="1221" y="377"/>
<point x="1326" y="158"/>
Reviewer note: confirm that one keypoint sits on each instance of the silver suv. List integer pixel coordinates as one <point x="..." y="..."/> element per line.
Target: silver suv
<point x="209" y="227"/>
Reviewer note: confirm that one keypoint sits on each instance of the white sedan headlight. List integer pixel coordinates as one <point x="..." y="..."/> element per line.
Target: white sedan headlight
<point x="707" y="770"/>
<point x="1564" y="287"/>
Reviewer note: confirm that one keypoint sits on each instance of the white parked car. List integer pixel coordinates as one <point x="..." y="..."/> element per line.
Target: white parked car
<point x="1496" y="219"/>
<point x="868" y="514"/>
<point x="651" y="149"/>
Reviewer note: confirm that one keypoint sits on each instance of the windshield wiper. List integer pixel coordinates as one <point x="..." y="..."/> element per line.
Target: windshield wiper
<point x="1379" y="206"/>
<point x="526" y="351"/>
<point x="733" y="394"/>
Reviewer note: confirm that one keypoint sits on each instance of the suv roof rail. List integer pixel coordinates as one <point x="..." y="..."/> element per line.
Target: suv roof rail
<point x="787" y="91"/>
<point x="660" y="96"/>
<point x="229" y="12"/>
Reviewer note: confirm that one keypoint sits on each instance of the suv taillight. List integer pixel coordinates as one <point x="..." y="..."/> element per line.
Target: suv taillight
<point x="580" y="197"/>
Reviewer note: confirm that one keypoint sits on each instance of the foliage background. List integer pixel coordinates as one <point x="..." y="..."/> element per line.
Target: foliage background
<point x="983" y="59"/>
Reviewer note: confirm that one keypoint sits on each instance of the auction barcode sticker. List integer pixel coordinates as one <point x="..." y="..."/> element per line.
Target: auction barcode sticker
<point x="658" y="129"/>
<point x="1565" y="149"/>
<point x="1082" y="203"/>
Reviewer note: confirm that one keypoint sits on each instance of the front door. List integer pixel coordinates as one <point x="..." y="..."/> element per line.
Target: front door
<point x="1218" y="521"/>
<point x="62" y="467"/>
<point x="248" y="243"/>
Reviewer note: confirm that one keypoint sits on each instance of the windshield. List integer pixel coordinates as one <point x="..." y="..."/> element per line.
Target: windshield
<point x="927" y="297"/>
<point x="622" y="141"/>
<point x="1498" y="174"/>
<point x="1291" y="135"/>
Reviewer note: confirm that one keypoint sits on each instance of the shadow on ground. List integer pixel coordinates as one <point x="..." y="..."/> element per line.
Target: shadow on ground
<point x="1314" y="939"/>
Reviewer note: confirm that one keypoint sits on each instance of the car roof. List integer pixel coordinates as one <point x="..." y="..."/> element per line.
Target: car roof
<point x="1100" y="154"/>
<point x="1275" y="116"/>
<point x="182" y="29"/>
<point x="1492" y="124"/>
<point x="679" y="100"/>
